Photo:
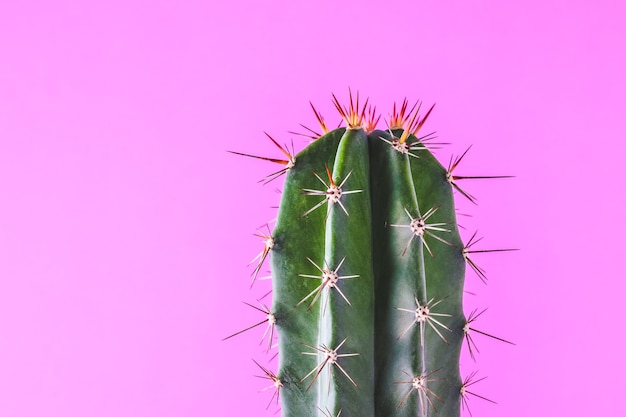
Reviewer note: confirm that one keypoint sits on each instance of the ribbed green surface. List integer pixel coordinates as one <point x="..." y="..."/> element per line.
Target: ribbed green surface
<point x="372" y="240"/>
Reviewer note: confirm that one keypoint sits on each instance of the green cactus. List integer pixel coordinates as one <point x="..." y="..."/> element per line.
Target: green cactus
<point x="367" y="274"/>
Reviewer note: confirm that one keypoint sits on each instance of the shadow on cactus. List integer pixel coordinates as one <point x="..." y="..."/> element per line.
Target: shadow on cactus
<point x="367" y="271"/>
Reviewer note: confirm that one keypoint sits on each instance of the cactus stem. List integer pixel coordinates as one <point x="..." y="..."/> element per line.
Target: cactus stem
<point x="269" y="244"/>
<point x="276" y="383"/>
<point x="270" y="319"/>
<point x="420" y="384"/>
<point x="423" y="314"/>
<point x="332" y="194"/>
<point x="385" y="366"/>
<point x="419" y="228"/>
<point x="329" y="278"/>
<point x="468" y="337"/>
<point x="467" y="251"/>
<point x="330" y="358"/>
<point x="468" y="381"/>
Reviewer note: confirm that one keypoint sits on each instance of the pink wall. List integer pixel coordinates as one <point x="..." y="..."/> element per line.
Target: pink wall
<point x="125" y="227"/>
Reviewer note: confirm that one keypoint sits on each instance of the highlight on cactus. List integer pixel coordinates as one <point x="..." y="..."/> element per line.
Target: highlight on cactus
<point x="367" y="271"/>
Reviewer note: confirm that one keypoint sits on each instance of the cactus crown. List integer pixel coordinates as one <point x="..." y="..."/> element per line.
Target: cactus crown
<point x="367" y="269"/>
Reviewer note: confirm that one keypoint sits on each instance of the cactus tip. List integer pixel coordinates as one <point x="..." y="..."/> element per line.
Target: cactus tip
<point x="354" y="114"/>
<point x="401" y="145"/>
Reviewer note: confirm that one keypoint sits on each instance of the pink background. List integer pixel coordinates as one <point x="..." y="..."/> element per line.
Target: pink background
<point x="126" y="228"/>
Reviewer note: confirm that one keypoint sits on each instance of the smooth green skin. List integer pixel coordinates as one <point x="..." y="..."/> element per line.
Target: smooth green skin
<point x="371" y="325"/>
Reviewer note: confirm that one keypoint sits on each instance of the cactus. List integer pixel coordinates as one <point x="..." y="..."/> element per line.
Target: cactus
<point x="367" y="269"/>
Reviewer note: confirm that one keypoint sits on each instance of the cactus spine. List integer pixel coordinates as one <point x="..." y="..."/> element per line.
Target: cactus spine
<point x="367" y="274"/>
